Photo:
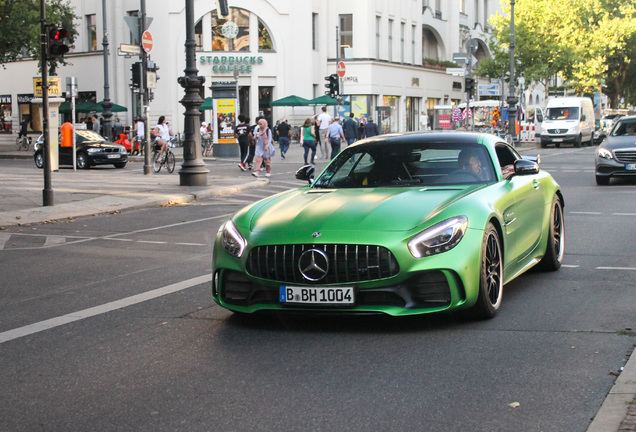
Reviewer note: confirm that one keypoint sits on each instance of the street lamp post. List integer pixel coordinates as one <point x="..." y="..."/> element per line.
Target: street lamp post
<point x="107" y="104"/>
<point x="512" y="100"/>
<point x="193" y="171"/>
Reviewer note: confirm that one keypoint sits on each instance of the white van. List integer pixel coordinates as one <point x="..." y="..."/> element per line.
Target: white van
<point x="567" y="120"/>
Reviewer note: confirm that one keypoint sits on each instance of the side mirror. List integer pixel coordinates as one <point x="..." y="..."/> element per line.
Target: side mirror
<point x="307" y="173"/>
<point x="583" y="117"/>
<point x="526" y="167"/>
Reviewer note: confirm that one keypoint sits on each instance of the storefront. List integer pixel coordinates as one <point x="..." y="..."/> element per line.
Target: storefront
<point x="5" y="114"/>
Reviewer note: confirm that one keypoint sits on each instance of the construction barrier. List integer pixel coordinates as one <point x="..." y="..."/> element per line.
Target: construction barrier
<point x="526" y="132"/>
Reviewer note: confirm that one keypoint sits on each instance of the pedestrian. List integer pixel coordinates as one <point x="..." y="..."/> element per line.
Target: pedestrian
<point x="251" y="149"/>
<point x="264" y="148"/>
<point x="275" y="130"/>
<point x="308" y="139"/>
<point x="336" y="136"/>
<point x="139" y="137"/>
<point x="284" y="137"/>
<point x="424" y="121"/>
<point x="350" y="128"/>
<point x="203" y="130"/>
<point x="371" y="129"/>
<point x="361" y="128"/>
<point x="118" y="128"/>
<point x="95" y="124"/>
<point x="243" y="134"/>
<point x="324" y="120"/>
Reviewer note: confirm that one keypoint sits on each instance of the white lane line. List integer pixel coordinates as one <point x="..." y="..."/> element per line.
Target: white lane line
<point x="3" y="239"/>
<point x="570" y="266"/>
<point x="152" y="242"/>
<point x="587" y="213"/>
<point x="623" y="214"/>
<point x="54" y="240"/>
<point x="616" y="268"/>
<point x="102" y="309"/>
<point x="118" y="239"/>
<point x="191" y="244"/>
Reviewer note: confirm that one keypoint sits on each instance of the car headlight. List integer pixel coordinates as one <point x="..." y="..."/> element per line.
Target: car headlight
<point x="233" y="242"/>
<point x="441" y="237"/>
<point x="604" y="153"/>
<point x="92" y="150"/>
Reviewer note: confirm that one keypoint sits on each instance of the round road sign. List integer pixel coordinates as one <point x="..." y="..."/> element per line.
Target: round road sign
<point x="341" y="69"/>
<point x="146" y="41"/>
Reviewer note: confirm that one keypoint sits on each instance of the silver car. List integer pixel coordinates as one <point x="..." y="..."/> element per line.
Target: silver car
<point x="616" y="156"/>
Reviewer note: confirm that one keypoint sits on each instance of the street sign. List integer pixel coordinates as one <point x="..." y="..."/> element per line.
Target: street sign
<point x="341" y="69"/>
<point x="459" y="57"/>
<point x="55" y="87"/>
<point x="489" y="89"/>
<point x="129" y="49"/>
<point x="146" y="41"/>
<point x="455" y="71"/>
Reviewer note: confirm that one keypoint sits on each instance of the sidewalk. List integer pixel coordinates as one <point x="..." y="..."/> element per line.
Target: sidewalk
<point x="103" y="189"/>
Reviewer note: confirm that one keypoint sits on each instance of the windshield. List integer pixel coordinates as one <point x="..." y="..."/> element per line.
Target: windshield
<point x="563" y="113"/>
<point x="394" y="165"/>
<point x="625" y="127"/>
<point x="89" y="136"/>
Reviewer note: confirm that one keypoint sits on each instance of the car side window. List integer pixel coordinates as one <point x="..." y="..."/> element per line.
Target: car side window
<point x="507" y="158"/>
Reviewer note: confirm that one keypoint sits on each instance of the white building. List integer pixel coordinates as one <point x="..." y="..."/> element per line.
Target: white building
<point x="278" y="48"/>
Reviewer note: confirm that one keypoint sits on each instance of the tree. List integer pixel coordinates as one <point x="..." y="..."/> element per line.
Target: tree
<point x="20" y="24"/>
<point x="584" y="41"/>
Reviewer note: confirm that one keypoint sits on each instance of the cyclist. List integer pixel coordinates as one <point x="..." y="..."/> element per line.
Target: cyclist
<point x="163" y="133"/>
<point x="24" y="127"/>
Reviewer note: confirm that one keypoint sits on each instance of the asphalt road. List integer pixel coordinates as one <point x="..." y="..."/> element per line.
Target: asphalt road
<point x="109" y="326"/>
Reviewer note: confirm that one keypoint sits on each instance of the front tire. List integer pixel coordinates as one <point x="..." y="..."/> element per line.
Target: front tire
<point x="577" y="142"/>
<point x="170" y="162"/>
<point x="491" y="275"/>
<point x="120" y="164"/>
<point x="81" y="161"/>
<point x="156" y="164"/>
<point x="555" y="248"/>
<point x="39" y="159"/>
<point x="602" y="180"/>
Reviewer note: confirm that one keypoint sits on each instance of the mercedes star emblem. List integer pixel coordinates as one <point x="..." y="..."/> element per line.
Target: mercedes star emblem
<point x="313" y="264"/>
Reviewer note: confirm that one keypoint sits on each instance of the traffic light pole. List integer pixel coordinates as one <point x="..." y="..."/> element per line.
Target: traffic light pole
<point x="107" y="104"/>
<point x="47" y="192"/>
<point x="144" y="87"/>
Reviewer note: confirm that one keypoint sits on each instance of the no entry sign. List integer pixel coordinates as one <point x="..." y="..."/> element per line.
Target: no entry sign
<point x="341" y="69"/>
<point x="146" y="41"/>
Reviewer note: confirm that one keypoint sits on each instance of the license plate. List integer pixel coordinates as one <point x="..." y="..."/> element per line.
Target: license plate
<point x="557" y="140"/>
<point x="630" y="167"/>
<point x="317" y="295"/>
<point x="113" y="156"/>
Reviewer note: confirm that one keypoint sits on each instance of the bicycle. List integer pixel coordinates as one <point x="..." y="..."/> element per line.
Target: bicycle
<point x="23" y="143"/>
<point x="158" y="161"/>
<point x="206" y="146"/>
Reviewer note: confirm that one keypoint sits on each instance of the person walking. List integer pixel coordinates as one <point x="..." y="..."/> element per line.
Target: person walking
<point x="350" y="128"/>
<point x="371" y="129"/>
<point x="284" y="136"/>
<point x="264" y="148"/>
<point x="118" y="128"/>
<point x="336" y="136"/>
<point x="324" y="120"/>
<point x="424" y="121"/>
<point x="361" y="124"/>
<point x="243" y="134"/>
<point x="95" y="124"/>
<point x="308" y="139"/>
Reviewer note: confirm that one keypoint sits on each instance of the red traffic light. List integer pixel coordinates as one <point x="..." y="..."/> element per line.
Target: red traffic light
<point x="57" y="42"/>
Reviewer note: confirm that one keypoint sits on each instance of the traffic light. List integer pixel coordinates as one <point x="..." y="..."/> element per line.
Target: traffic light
<point x="57" y="46"/>
<point x="137" y="71"/>
<point x="469" y="84"/>
<point x="333" y="85"/>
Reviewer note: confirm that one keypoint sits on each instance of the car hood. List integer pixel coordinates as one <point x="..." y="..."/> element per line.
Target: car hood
<point x="620" y="142"/>
<point x="381" y="209"/>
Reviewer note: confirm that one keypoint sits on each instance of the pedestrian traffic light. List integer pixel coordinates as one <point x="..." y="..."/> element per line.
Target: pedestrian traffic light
<point x="57" y="46"/>
<point x="469" y="84"/>
<point x="136" y="75"/>
<point x="333" y="85"/>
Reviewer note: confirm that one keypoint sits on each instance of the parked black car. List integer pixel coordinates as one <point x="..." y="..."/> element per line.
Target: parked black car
<point x="91" y="149"/>
<point x="616" y="156"/>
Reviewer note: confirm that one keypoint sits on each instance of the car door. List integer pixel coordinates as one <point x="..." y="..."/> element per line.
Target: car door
<point x="524" y="218"/>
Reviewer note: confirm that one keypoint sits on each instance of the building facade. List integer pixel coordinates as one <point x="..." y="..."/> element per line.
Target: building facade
<point x="392" y="54"/>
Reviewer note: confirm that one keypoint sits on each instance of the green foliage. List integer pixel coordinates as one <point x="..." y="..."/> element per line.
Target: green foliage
<point x="588" y="42"/>
<point x="20" y="23"/>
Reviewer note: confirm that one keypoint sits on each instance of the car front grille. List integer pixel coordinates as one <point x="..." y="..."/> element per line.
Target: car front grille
<point x="625" y="155"/>
<point x="557" y="131"/>
<point x="347" y="263"/>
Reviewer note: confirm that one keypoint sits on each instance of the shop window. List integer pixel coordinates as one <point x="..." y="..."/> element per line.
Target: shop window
<point x="264" y="39"/>
<point x="6" y="113"/>
<point x="91" y="32"/>
<point x="231" y="33"/>
<point x="346" y="36"/>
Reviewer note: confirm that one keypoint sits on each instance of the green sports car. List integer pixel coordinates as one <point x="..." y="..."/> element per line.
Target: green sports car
<point x="397" y="224"/>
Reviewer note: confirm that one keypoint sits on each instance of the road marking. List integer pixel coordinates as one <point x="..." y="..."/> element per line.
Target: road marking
<point x="54" y="240"/>
<point x="570" y="266"/>
<point x="623" y="214"/>
<point x="588" y="213"/>
<point x="102" y="309"/>
<point x="191" y="244"/>
<point x="616" y="268"/>
<point x="119" y="239"/>
<point x="151" y="241"/>
<point x="3" y="239"/>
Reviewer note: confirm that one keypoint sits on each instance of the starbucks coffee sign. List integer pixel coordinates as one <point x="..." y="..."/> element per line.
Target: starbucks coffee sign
<point x="224" y="64"/>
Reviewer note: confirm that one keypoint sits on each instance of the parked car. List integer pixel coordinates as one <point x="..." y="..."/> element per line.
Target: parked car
<point x="616" y="156"/>
<point x="91" y="149"/>
<point x="397" y="224"/>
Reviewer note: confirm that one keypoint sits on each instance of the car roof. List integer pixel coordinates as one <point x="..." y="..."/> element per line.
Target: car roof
<point x="460" y="138"/>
